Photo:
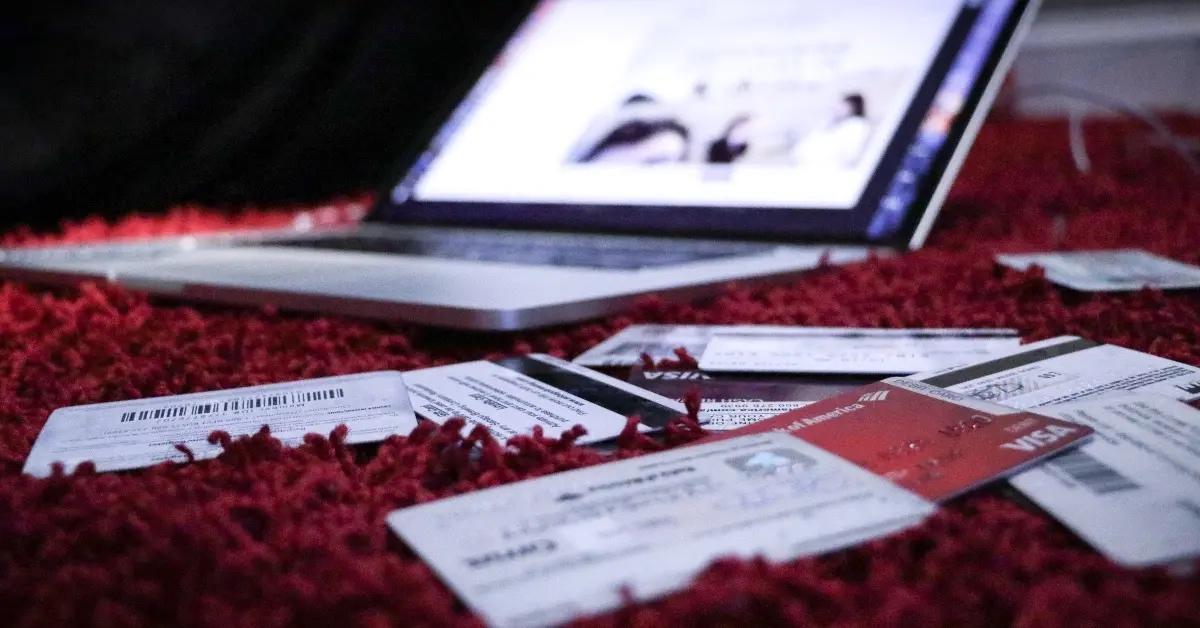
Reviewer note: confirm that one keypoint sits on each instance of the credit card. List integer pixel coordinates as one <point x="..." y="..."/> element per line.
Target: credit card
<point x="1108" y="271"/>
<point x="1065" y="369"/>
<point x="512" y="395"/>
<point x="729" y="400"/>
<point x="547" y="550"/>
<point x="932" y="441"/>
<point x="851" y="350"/>
<point x="1133" y="492"/>
<point x="626" y="347"/>
<point x="143" y="432"/>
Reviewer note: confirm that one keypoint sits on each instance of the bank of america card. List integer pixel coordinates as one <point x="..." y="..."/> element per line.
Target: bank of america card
<point x="1108" y="271"/>
<point x="543" y="551"/>
<point x="512" y="395"/>
<point x="931" y="441"/>
<point x="143" y="432"/>
<point x="850" y="350"/>
<point x="1133" y="492"/>
<point x="729" y="401"/>
<point x="1065" y="369"/>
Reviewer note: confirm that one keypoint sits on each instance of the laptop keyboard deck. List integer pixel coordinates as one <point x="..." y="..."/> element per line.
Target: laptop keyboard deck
<point x="574" y="251"/>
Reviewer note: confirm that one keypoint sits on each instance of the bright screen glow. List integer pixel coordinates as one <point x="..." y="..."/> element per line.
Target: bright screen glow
<point x="764" y="104"/>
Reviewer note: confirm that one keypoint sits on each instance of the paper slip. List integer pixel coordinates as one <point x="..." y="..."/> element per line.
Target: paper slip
<point x="849" y="350"/>
<point x="511" y="396"/>
<point x="1133" y="492"/>
<point x="729" y="401"/>
<point x="547" y="550"/>
<point x="931" y="441"/>
<point x="143" y="432"/>
<point x="1067" y="368"/>
<point x="1108" y="271"/>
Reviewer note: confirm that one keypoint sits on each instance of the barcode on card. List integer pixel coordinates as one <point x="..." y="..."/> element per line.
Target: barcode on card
<point x="1093" y="474"/>
<point x="233" y="405"/>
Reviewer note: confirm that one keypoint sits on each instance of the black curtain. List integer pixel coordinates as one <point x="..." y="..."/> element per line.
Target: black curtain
<point x="110" y="107"/>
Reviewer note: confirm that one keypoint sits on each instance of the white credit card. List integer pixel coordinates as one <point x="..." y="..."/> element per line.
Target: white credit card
<point x="1133" y="491"/>
<point x="729" y="401"/>
<point x="513" y="395"/>
<point x="852" y="350"/>
<point x="546" y="550"/>
<point x="626" y="347"/>
<point x="143" y="432"/>
<point x="1064" y="369"/>
<point x="1108" y="271"/>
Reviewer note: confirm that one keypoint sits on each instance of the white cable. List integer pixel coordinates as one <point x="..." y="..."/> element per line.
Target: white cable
<point x="1079" y="153"/>
<point x="1078" y="148"/>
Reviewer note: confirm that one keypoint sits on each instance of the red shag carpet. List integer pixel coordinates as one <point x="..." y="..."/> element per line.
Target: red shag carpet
<point x="268" y="536"/>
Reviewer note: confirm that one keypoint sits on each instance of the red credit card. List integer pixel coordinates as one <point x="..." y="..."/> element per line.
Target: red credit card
<point x="934" y="442"/>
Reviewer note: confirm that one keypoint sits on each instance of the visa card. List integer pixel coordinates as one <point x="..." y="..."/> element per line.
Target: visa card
<point x="934" y="442"/>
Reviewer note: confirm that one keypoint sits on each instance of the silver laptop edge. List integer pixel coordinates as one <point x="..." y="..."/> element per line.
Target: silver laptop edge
<point x="246" y="268"/>
<point x="980" y="113"/>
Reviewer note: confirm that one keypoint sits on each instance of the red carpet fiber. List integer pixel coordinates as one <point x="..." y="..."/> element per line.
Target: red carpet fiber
<point x="267" y="536"/>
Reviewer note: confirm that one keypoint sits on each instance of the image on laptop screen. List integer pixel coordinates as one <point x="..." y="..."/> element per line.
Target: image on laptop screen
<point x="788" y="117"/>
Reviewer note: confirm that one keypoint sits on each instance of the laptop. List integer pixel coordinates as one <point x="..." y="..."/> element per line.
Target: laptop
<point x="611" y="149"/>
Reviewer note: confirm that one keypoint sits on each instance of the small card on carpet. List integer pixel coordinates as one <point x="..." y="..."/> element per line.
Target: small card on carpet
<point x="1067" y="368"/>
<point x="851" y="350"/>
<point x="931" y="441"/>
<point x="1133" y="492"/>
<point x="546" y="550"/>
<point x="512" y="395"/>
<point x="143" y="432"/>
<point x="729" y="401"/>
<point x="1108" y="271"/>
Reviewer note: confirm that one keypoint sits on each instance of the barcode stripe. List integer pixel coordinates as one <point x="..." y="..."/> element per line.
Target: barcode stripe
<point x="1093" y="474"/>
<point x="243" y="403"/>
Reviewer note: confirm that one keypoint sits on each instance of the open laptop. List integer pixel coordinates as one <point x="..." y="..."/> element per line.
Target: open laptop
<point x="615" y="148"/>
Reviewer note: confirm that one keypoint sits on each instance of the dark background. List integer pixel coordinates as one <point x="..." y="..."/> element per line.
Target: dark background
<point x="136" y="105"/>
<point x="111" y="107"/>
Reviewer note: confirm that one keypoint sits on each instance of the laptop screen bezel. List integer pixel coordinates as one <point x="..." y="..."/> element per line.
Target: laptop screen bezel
<point x="568" y="217"/>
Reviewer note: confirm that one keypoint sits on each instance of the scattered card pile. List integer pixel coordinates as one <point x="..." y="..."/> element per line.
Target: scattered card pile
<point x="1133" y="492"/>
<point x="808" y="452"/>
<point x="1108" y="271"/>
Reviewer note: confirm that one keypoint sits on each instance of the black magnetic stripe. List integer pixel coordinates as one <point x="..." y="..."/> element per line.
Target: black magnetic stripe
<point x="975" y="371"/>
<point x="604" y="395"/>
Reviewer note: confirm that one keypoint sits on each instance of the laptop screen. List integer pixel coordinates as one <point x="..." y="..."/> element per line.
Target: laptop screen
<point x="781" y="119"/>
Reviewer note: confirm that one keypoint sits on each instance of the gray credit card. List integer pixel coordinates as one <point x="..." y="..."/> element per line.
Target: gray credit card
<point x="543" y="551"/>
